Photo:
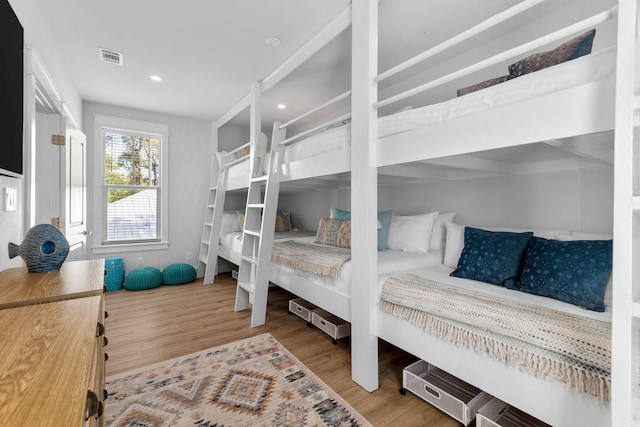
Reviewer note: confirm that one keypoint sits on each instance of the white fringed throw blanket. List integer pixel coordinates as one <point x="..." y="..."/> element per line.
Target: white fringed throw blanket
<point x="542" y="341"/>
<point x="316" y="259"/>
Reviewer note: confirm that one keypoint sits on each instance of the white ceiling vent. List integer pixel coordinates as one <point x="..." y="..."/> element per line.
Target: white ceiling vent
<point x="110" y="56"/>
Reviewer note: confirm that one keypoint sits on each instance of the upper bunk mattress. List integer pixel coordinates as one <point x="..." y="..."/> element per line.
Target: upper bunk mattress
<point x="594" y="67"/>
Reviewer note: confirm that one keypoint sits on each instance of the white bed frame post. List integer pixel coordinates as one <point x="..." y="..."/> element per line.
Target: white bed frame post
<point x="626" y="309"/>
<point x="364" y="194"/>
<point x="208" y="256"/>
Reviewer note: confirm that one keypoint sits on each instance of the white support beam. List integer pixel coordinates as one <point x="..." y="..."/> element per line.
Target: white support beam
<point x="465" y="161"/>
<point x="585" y="147"/>
<point x="234" y="111"/>
<point x="317" y="42"/>
<point x="364" y="195"/>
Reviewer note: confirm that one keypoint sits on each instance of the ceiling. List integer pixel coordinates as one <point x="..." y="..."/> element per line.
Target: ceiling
<point x="210" y="51"/>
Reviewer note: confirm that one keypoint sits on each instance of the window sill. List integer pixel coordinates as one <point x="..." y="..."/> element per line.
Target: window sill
<point x="131" y="247"/>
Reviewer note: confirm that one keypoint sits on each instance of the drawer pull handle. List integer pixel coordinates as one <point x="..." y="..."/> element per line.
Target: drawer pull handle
<point x="299" y="309"/>
<point x="100" y="330"/>
<point x="323" y="323"/>
<point x="105" y="394"/>
<point x="106" y="357"/>
<point x="105" y="341"/>
<point x="91" y="405"/>
<point x="106" y="314"/>
<point x="434" y="393"/>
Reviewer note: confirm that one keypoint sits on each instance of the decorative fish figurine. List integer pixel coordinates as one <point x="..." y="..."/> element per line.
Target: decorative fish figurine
<point x="43" y="249"/>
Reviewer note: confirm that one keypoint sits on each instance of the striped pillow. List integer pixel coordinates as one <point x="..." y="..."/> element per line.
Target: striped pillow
<point x="334" y="232"/>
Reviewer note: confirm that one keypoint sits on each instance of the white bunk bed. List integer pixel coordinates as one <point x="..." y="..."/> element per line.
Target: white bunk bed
<point x="516" y="112"/>
<point x="503" y="116"/>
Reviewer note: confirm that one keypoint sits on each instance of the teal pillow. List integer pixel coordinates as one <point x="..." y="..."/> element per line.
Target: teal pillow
<point x="384" y="218"/>
<point x="575" y="271"/>
<point x="492" y="256"/>
<point x="383" y="231"/>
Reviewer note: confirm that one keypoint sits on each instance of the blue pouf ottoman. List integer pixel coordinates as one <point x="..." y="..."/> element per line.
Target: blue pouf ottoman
<point x="143" y="278"/>
<point x="177" y="274"/>
<point x="115" y="273"/>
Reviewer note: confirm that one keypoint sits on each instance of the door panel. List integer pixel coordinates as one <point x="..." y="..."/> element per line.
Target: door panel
<point x="76" y="194"/>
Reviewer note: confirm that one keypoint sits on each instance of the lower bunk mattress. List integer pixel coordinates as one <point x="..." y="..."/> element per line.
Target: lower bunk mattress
<point x="541" y="336"/>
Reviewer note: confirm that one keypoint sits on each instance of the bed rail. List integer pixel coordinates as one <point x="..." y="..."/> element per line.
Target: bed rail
<point x="320" y="127"/>
<point x="577" y="27"/>
<point x="234" y="156"/>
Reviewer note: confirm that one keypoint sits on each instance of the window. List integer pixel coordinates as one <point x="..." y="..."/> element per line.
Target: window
<point x="131" y="208"/>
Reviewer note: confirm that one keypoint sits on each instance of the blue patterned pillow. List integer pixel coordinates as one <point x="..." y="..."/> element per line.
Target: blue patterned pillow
<point x="384" y="218"/>
<point x="573" y="271"/>
<point x="492" y="256"/>
<point x="572" y="49"/>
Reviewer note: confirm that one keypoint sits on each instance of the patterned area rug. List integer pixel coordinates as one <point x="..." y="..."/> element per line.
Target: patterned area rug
<point x="253" y="382"/>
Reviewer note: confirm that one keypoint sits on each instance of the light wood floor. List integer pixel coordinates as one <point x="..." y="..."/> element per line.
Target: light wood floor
<point x="150" y="326"/>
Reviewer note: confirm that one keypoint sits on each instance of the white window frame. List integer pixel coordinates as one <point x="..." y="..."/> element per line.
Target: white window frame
<point x="100" y="123"/>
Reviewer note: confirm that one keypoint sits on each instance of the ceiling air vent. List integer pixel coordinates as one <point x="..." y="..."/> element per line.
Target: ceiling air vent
<point x="110" y="56"/>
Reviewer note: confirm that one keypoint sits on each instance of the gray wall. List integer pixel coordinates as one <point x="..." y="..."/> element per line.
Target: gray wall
<point x="189" y="169"/>
<point x="577" y="201"/>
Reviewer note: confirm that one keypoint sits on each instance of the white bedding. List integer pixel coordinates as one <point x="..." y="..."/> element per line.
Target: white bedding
<point x="588" y="68"/>
<point x="389" y="261"/>
<point x="441" y="273"/>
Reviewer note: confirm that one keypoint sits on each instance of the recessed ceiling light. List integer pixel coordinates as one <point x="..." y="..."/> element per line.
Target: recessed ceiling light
<point x="155" y="78"/>
<point x="273" y="41"/>
<point x="282" y="106"/>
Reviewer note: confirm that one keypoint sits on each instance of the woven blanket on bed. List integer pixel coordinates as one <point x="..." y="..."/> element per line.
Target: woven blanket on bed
<point x="542" y="341"/>
<point x="316" y="259"/>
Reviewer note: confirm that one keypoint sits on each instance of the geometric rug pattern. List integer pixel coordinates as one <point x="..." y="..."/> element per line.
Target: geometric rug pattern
<point x="252" y="382"/>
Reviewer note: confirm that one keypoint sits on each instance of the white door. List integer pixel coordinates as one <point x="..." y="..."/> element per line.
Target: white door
<point x="75" y="199"/>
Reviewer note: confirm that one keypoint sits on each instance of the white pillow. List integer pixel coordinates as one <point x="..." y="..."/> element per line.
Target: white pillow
<point x="230" y="223"/>
<point x="411" y="233"/>
<point x="439" y="231"/>
<point x="455" y="243"/>
<point x="584" y="236"/>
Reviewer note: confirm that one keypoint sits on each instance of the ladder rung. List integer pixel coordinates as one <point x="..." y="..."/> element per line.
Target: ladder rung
<point x="260" y="178"/>
<point x="204" y="242"/>
<point x="211" y="206"/>
<point x="249" y="260"/>
<point x="252" y="232"/>
<point x="208" y="224"/>
<point x="635" y="202"/>
<point x="255" y="205"/>
<point x="213" y="188"/>
<point x="247" y="286"/>
<point x="203" y="259"/>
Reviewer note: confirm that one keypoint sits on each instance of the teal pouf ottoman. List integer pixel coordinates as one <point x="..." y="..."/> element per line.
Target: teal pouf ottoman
<point x="177" y="274"/>
<point x="143" y="278"/>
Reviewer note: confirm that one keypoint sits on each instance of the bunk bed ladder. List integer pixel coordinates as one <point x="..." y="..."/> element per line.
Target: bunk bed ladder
<point x="625" y="388"/>
<point x="208" y="255"/>
<point x="257" y="236"/>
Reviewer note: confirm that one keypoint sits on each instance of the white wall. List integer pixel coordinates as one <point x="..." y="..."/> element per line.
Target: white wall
<point x="37" y="35"/>
<point x="11" y="223"/>
<point x="577" y="201"/>
<point x="189" y="163"/>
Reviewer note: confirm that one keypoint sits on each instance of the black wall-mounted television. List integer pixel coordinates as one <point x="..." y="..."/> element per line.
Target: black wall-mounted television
<point x="11" y="91"/>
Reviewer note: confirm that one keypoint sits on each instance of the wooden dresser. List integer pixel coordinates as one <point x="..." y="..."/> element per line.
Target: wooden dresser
<point x="51" y="346"/>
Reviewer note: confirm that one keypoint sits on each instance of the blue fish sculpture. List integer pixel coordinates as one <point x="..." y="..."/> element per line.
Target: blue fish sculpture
<point x="43" y="249"/>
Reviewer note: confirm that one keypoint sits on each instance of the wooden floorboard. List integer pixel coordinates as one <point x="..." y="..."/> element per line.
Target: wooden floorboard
<point x="150" y="326"/>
